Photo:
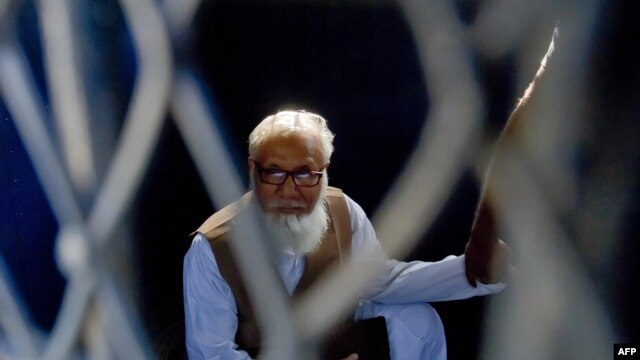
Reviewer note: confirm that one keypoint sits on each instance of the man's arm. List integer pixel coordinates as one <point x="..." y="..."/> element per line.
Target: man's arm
<point x="405" y="282"/>
<point x="209" y="307"/>
<point x="419" y="281"/>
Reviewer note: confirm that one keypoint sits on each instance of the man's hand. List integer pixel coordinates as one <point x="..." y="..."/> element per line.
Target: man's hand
<point x="486" y="265"/>
<point x="485" y="254"/>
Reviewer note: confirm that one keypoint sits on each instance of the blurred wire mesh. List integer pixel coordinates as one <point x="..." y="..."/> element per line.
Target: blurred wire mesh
<point x="550" y="208"/>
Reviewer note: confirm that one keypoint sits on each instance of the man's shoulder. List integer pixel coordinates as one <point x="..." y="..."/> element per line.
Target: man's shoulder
<point x="334" y="192"/>
<point x="218" y="223"/>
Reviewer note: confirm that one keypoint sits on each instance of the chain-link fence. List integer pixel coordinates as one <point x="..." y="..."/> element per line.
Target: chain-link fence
<point x="563" y="187"/>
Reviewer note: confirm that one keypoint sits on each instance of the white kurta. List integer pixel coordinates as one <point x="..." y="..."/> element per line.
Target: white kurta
<point x="399" y="294"/>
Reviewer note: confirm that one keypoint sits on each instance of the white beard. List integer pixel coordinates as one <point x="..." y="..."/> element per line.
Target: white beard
<point x="302" y="233"/>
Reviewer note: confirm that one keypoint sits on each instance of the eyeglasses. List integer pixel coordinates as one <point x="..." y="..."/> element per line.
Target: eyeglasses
<point x="276" y="176"/>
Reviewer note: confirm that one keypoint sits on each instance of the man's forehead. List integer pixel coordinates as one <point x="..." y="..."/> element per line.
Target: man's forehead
<point x="301" y="147"/>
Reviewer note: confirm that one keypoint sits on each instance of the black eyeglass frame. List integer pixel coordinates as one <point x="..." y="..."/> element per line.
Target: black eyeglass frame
<point x="261" y="170"/>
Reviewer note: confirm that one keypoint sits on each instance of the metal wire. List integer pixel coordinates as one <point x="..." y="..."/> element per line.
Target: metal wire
<point x="97" y="320"/>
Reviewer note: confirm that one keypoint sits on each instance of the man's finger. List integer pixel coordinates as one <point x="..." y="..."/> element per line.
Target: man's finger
<point x="471" y="279"/>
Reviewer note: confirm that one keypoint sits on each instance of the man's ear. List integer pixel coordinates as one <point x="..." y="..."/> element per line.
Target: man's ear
<point x="251" y="172"/>
<point x="326" y="166"/>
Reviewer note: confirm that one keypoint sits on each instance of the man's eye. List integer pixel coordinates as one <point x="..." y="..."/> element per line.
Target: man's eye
<point x="303" y="174"/>
<point x="274" y="172"/>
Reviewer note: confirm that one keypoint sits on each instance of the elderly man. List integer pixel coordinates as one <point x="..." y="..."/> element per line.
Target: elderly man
<point x="314" y="224"/>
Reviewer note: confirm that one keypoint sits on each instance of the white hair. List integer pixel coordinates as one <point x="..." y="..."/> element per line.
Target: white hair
<point x="291" y="122"/>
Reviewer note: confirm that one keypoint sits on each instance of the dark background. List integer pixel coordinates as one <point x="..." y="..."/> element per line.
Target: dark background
<point x="355" y="65"/>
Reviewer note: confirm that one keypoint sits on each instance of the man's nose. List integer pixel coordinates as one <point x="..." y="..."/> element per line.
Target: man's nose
<point x="288" y="188"/>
